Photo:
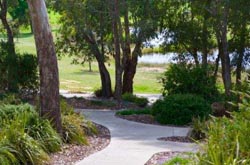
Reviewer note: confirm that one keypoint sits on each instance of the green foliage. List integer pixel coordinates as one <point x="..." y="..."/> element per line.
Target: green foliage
<point x="27" y="72"/>
<point x="140" y="101"/>
<point x="178" y="160"/>
<point x="180" y="109"/>
<point x="25" y="135"/>
<point x="24" y="67"/>
<point x="10" y="99"/>
<point x="75" y="127"/>
<point x="65" y="108"/>
<point x="7" y="154"/>
<point x="72" y="129"/>
<point x="184" y="79"/>
<point x="228" y="138"/>
<point x="199" y="128"/>
<point x="24" y="147"/>
<point x="134" y="112"/>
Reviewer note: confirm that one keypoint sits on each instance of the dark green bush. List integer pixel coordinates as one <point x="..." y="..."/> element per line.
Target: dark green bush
<point x="24" y="71"/>
<point x="180" y="109"/>
<point x="140" y="101"/>
<point x="185" y="79"/>
<point x="27" y="72"/>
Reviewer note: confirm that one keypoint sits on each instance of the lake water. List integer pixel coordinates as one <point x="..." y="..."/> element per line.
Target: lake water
<point x="157" y="58"/>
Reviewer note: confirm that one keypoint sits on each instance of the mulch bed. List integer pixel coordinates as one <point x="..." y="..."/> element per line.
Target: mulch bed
<point x="182" y="139"/>
<point x="162" y="157"/>
<point x="71" y="154"/>
<point x="99" y="103"/>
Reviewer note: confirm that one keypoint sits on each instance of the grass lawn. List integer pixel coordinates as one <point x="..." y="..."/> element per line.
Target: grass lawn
<point x="77" y="78"/>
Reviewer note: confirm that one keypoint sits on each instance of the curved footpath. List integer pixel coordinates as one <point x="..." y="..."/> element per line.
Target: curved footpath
<point x="132" y="143"/>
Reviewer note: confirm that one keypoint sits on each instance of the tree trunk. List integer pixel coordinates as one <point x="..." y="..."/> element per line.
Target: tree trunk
<point x="105" y="79"/>
<point x="12" y="76"/>
<point x="241" y="51"/>
<point x="49" y="79"/>
<point x="225" y="60"/>
<point x="104" y="74"/>
<point x="204" y="42"/>
<point x="130" y="70"/>
<point x="118" y="66"/>
<point x="195" y="55"/>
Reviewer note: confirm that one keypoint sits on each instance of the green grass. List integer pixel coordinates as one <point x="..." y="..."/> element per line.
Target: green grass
<point x="77" y="78"/>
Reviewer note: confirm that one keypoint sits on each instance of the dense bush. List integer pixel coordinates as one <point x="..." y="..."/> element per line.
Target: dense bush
<point x="24" y="66"/>
<point x="180" y="109"/>
<point x="140" y="101"/>
<point x="189" y="79"/>
<point x="27" y="72"/>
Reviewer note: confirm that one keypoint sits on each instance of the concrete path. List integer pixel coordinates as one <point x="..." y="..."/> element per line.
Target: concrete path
<point x="132" y="143"/>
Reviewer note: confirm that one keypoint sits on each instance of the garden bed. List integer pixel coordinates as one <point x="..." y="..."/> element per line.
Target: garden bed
<point x="71" y="153"/>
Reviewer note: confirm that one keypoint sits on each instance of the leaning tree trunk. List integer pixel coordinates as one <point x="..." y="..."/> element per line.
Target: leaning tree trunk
<point x="104" y="73"/>
<point x="49" y="79"/>
<point x="130" y="70"/>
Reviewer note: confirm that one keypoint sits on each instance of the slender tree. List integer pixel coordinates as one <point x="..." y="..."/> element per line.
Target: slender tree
<point x="85" y="30"/>
<point x="49" y="79"/>
<point x="12" y="84"/>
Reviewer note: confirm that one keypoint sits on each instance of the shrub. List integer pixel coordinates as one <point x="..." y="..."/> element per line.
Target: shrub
<point x="65" y="108"/>
<point x="36" y="127"/>
<point x="199" y="128"/>
<point x="185" y="79"/>
<point x="27" y="73"/>
<point x="140" y="101"/>
<point x="72" y="129"/>
<point x="180" y="109"/>
<point x="26" y="149"/>
<point x="75" y="127"/>
<point x="23" y="68"/>
<point x="10" y="99"/>
<point x="228" y="138"/>
<point x="98" y="92"/>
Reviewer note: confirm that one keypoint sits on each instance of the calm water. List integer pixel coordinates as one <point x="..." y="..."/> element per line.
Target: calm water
<point x="157" y="58"/>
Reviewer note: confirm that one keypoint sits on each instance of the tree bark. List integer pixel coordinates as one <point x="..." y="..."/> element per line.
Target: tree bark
<point x="241" y="51"/>
<point x="48" y="68"/>
<point x="118" y="66"/>
<point x="130" y="70"/>
<point x="225" y="60"/>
